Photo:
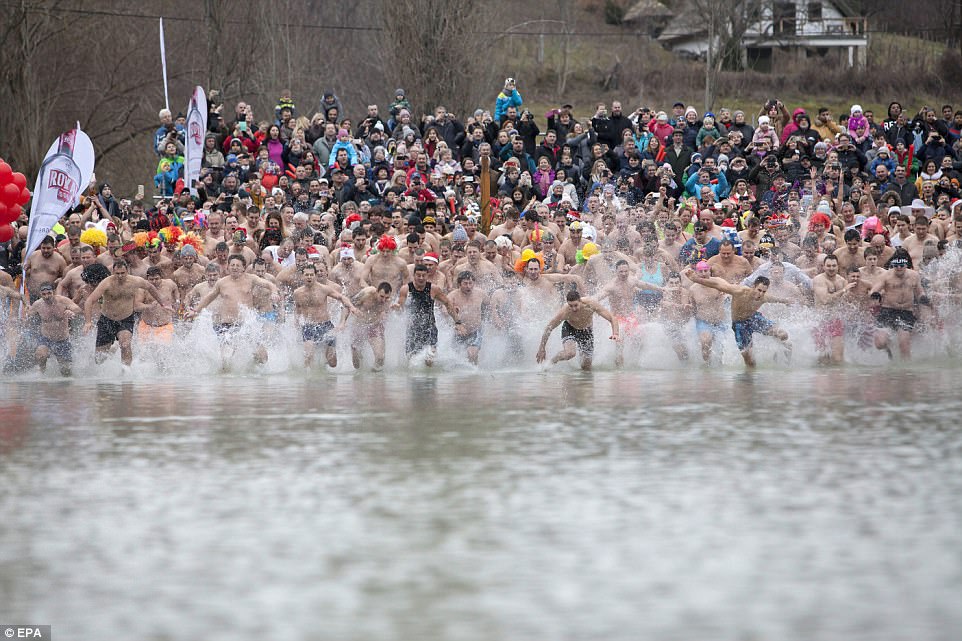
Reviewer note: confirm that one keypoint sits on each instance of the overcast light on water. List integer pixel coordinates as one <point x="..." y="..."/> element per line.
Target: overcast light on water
<point x="673" y="504"/>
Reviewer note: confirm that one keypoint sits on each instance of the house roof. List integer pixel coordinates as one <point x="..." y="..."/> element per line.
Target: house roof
<point x="647" y="9"/>
<point x="688" y="22"/>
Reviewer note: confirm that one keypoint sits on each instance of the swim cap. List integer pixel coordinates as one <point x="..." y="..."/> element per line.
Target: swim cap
<point x="900" y="261"/>
<point x="702" y="266"/>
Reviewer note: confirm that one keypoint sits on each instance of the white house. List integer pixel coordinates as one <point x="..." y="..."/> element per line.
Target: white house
<point x="780" y="33"/>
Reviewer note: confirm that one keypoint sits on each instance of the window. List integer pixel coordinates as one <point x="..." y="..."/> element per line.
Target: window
<point x="814" y="11"/>
<point x="783" y="18"/>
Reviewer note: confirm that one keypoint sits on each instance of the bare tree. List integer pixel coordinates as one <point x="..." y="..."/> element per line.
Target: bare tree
<point x="432" y="48"/>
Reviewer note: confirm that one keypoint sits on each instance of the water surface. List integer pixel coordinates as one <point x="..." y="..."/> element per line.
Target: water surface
<point x="477" y="505"/>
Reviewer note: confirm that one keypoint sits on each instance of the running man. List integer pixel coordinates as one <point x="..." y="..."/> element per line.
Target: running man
<point x="372" y="304"/>
<point x="575" y="318"/>
<point x="310" y="305"/>
<point x="117" y="317"/>
<point x="55" y="314"/>
<point x="746" y="319"/>
<point x="830" y="288"/>
<point x="422" y="330"/>
<point x="710" y="313"/>
<point x="900" y="291"/>
<point x="236" y="294"/>
<point x="472" y="306"/>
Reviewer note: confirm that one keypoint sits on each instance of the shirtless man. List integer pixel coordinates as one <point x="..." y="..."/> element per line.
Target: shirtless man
<point x="728" y="265"/>
<point x="538" y="288"/>
<point x="852" y="253"/>
<point x="157" y="320"/>
<point x="575" y="318"/>
<point x="915" y="244"/>
<point x="830" y="288"/>
<point x="505" y="316"/>
<point x="347" y="274"/>
<point x="746" y="319"/>
<point x="291" y="277"/>
<point x="155" y="258"/>
<point x="569" y="248"/>
<point x="620" y="293"/>
<point x="487" y="274"/>
<point x="472" y="306"/>
<point x="72" y="282"/>
<point x="214" y="234"/>
<point x="190" y="273"/>
<point x="676" y="309"/>
<point x="310" y="304"/>
<point x="871" y="272"/>
<point x="900" y="292"/>
<point x="511" y="228"/>
<point x="55" y="314"/>
<point x="116" y="323"/>
<point x="710" y="313"/>
<point x="45" y="266"/>
<point x="236" y="294"/>
<point x="386" y="266"/>
<point x="422" y="331"/>
<point x="810" y="260"/>
<point x="372" y="304"/>
<point x="73" y="242"/>
<point x="201" y="289"/>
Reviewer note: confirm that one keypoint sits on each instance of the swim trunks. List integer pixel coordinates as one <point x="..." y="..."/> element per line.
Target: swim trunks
<point x="269" y="317"/>
<point x="319" y="333"/>
<point x="160" y="333"/>
<point x="472" y="339"/>
<point x="703" y="327"/>
<point x="108" y="329"/>
<point x="897" y="319"/>
<point x="745" y="328"/>
<point x="585" y="338"/>
<point x="226" y="331"/>
<point x="62" y="350"/>
<point x="827" y="330"/>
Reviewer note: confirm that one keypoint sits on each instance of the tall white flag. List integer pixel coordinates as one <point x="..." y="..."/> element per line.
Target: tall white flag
<point x="196" y="131"/>
<point x="64" y="174"/>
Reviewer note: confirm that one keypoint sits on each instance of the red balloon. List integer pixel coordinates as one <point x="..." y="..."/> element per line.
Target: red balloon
<point x="10" y="194"/>
<point x="5" y="173"/>
<point x="19" y="180"/>
<point x="24" y="196"/>
<point x="9" y="214"/>
<point x="6" y="233"/>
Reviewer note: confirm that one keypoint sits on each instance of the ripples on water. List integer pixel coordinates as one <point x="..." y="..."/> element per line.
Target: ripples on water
<point x="460" y="504"/>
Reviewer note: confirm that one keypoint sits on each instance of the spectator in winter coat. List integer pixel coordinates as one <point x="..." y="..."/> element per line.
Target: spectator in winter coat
<point x="344" y="142"/>
<point x="708" y="128"/>
<point x="765" y="133"/>
<point x="509" y="97"/>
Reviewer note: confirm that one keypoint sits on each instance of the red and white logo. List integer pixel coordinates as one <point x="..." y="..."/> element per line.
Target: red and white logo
<point x="65" y="185"/>
<point x="195" y="133"/>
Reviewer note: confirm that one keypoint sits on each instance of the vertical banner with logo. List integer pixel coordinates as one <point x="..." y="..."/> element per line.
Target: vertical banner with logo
<point x="64" y="174"/>
<point x="196" y="130"/>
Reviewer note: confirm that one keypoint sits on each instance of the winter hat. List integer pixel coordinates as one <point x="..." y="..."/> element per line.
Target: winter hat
<point x="379" y="126"/>
<point x="820" y="146"/>
<point x="691" y="110"/>
<point x="764" y="120"/>
<point x="722" y="159"/>
<point x="399" y="92"/>
<point x="709" y="114"/>
<point x="459" y="235"/>
<point x="342" y="132"/>
<point x="855" y="108"/>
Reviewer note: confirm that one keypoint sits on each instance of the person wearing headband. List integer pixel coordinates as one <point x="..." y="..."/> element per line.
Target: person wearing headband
<point x="899" y="290"/>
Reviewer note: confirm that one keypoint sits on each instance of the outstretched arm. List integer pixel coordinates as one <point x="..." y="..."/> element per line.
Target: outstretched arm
<point x="93" y="298"/>
<point x="554" y="322"/>
<point x="714" y="282"/>
<point x="608" y="316"/>
<point x="205" y="301"/>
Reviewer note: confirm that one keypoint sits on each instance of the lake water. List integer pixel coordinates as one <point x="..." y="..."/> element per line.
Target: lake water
<point x="476" y="505"/>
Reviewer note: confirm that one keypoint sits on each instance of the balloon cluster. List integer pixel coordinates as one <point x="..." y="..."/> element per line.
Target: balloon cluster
<point x="13" y="196"/>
